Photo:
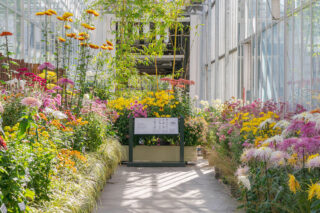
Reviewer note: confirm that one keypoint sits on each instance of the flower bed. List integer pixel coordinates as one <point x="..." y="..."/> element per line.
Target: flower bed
<point x="277" y="154"/>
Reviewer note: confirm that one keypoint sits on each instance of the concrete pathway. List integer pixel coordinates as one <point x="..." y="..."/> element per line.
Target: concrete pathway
<point x="192" y="189"/>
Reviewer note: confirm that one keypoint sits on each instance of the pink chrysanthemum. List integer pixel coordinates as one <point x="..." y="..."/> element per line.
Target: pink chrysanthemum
<point x="242" y="171"/>
<point x="30" y="101"/>
<point x="247" y="155"/>
<point x="65" y="81"/>
<point x="263" y="153"/>
<point x="278" y="158"/>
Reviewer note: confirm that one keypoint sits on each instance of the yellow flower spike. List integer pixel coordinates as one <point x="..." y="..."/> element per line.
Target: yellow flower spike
<point x="68" y="27"/>
<point x="40" y="13"/>
<point x="61" y="39"/>
<point x="293" y="184"/>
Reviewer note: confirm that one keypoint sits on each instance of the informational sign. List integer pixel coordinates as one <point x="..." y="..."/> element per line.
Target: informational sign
<point x="154" y="126"/>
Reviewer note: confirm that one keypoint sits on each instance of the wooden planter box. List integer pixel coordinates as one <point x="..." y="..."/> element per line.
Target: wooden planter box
<point x="159" y="153"/>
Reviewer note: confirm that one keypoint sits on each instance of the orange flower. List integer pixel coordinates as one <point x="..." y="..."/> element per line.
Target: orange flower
<point x="93" y="46"/>
<point x="67" y="15"/>
<point x="62" y="39"/>
<point x="89" y="11"/>
<point x="71" y="35"/>
<point x="81" y="38"/>
<point x="84" y="34"/>
<point x="92" y="28"/>
<point x="52" y="12"/>
<point x="40" y="13"/>
<point x="88" y="26"/>
<point x="95" y="13"/>
<point x="315" y="111"/>
<point x="6" y="33"/>
<point x="70" y="20"/>
<point x="60" y="18"/>
<point x="43" y="116"/>
<point x="109" y="43"/>
<point x="83" y="44"/>
<point x="48" y="13"/>
<point x="103" y="47"/>
<point x="110" y="48"/>
<point x="67" y="27"/>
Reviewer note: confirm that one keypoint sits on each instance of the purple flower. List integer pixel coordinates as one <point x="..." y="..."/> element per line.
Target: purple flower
<point x="65" y="81"/>
<point x="309" y="130"/>
<point x="47" y="66"/>
<point x="58" y="99"/>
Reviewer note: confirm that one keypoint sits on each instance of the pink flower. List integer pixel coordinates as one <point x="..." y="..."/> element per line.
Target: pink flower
<point x="47" y="66"/>
<point x="58" y="99"/>
<point x="242" y="171"/>
<point x="30" y="101"/>
<point x="65" y="81"/>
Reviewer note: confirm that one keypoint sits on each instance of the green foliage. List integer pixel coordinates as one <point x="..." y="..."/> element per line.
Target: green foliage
<point x="13" y="111"/>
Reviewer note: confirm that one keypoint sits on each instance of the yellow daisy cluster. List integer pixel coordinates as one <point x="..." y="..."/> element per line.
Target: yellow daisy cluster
<point x="122" y="103"/>
<point x="159" y="99"/>
<point x="251" y="127"/>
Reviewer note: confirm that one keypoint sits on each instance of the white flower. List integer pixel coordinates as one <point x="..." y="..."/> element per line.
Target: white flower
<point x="316" y="119"/>
<point x="278" y="158"/>
<point x="90" y="74"/>
<point x="86" y="96"/>
<point x="263" y="153"/>
<point x="244" y="180"/>
<point x="204" y="103"/>
<point x="12" y="82"/>
<point x="48" y="110"/>
<point x="1" y="108"/>
<point x="314" y="162"/>
<point x="277" y="139"/>
<point x="282" y="124"/>
<point x="196" y="97"/>
<point x="305" y="115"/>
<point x="264" y="123"/>
<point x="59" y="115"/>
<point x="23" y="83"/>
<point x="242" y="171"/>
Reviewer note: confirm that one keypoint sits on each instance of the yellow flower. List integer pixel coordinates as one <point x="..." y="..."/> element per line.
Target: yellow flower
<point x="68" y="27"/>
<point x="67" y="15"/>
<point x="51" y="86"/>
<point x="314" y="191"/>
<point x="62" y="39"/>
<point x="52" y="12"/>
<point x="40" y="13"/>
<point x="7" y="128"/>
<point x="109" y="43"/>
<point x="293" y="184"/>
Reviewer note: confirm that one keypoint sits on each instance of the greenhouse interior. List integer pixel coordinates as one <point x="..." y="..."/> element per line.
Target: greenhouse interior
<point x="160" y="106"/>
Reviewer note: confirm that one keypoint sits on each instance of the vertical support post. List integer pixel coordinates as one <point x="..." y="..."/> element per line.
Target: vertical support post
<point x="131" y="139"/>
<point x="181" y="129"/>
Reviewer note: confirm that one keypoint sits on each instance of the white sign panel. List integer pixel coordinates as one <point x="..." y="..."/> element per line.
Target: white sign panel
<point x="162" y="126"/>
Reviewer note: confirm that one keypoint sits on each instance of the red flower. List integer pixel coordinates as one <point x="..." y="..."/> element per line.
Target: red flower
<point x="3" y="143"/>
<point x="6" y="33"/>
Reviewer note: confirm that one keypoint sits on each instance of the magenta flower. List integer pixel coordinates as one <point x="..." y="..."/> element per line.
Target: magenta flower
<point x="57" y="88"/>
<point x="58" y="99"/>
<point x="65" y="81"/>
<point x="30" y="101"/>
<point x="47" y="66"/>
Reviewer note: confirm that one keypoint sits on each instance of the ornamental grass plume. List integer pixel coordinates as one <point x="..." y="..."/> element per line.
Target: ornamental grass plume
<point x="314" y="191"/>
<point x="293" y="184"/>
<point x="31" y="102"/>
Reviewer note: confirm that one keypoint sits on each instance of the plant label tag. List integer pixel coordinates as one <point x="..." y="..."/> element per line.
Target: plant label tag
<point x="22" y="206"/>
<point x="3" y="209"/>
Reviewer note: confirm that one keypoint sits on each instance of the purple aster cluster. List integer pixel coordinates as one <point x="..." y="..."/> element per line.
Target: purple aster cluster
<point x="138" y="111"/>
